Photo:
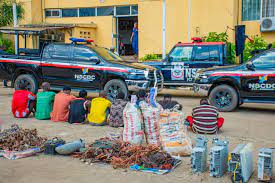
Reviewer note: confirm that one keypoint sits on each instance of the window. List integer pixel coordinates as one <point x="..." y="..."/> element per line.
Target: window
<point x="86" y="12"/>
<point x="47" y="51"/>
<point x="60" y="52"/>
<point x="123" y="10"/>
<point x="105" y="11"/>
<point x="251" y="10"/>
<point x="83" y="53"/>
<point x="214" y="53"/>
<point x="201" y="53"/>
<point x="134" y="10"/>
<point x="69" y="12"/>
<point x="268" y="8"/>
<point x="52" y="13"/>
<point x="266" y="60"/>
<point x="181" y="53"/>
<point x="85" y="34"/>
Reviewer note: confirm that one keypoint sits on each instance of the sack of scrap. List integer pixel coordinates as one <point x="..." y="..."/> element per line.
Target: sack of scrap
<point x="173" y="133"/>
<point x="151" y="116"/>
<point x="133" y="124"/>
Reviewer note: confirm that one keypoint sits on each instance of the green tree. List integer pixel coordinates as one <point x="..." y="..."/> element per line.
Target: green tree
<point x="258" y="43"/>
<point x="6" y="14"/>
<point x="216" y="37"/>
<point x="6" y="18"/>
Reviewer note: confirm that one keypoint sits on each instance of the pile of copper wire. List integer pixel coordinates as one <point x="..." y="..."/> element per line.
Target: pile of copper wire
<point x="18" y="139"/>
<point x="122" y="155"/>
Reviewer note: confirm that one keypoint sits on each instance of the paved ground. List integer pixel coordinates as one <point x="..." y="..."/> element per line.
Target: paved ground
<point x="251" y="123"/>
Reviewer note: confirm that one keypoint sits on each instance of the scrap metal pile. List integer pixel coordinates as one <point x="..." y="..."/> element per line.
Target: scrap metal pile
<point x="19" y="139"/>
<point x="122" y="155"/>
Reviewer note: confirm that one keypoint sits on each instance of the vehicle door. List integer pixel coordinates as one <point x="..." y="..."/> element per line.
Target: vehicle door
<point x="85" y="68"/>
<point x="173" y="69"/>
<point x="204" y="56"/>
<point x="56" y="62"/>
<point x="259" y="84"/>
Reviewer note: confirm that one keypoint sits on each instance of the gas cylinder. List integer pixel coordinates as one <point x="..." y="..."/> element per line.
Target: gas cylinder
<point x="70" y="147"/>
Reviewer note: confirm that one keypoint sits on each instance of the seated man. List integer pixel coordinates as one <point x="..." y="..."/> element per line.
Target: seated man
<point x="116" y="111"/>
<point x="205" y="118"/>
<point x="44" y="103"/>
<point x="79" y="108"/>
<point x="142" y="98"/>
<point x="99" y="110"/>
<point x="168" y="103"/>
<point x="61" y="104"/>
<point x="23" y="102"/>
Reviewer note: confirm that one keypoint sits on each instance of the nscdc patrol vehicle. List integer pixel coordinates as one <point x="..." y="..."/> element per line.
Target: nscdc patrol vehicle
<point x="81" y="65"/>
<point x="180" y="66"/>
<point x="229" y="87"/>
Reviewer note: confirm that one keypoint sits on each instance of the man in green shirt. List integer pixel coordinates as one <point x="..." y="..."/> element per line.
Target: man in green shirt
<point x="44" y="105"/>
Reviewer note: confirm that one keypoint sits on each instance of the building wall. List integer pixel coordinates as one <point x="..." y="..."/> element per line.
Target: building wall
<point x="27" y="6"/>
<point x="212" y="16"/>
<point x="253" y="27"/>
<point x="206" y="16"/>
<point x="203" y="21"/>
<point x="103" y="32"/>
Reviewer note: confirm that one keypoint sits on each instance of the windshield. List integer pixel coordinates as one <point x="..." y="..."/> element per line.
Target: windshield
<point x="105" y="53"/>
<point x="181" y="53"/>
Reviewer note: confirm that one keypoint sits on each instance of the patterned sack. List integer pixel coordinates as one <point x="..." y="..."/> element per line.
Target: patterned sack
<point x="151" y="116"/>
<point x="173" y="133"/>
<point x="116" y="113"/>
<point x="133" y="124"/>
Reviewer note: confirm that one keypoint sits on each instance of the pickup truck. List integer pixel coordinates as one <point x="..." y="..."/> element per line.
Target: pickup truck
<point x="180" y="66"/>
<point x="81" y="65"/>
<point x="229" y="87"/>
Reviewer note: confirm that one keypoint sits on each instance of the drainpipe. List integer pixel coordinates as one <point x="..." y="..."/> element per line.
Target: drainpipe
<point x="15" y="25"/>
<point x="189" y="19"/>
<point x="163" y="29"/>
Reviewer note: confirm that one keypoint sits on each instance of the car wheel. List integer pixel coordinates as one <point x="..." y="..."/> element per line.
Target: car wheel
<point x="114" y="86"/>
<point x="29" y="80"/>
<point x="224" y="97"/>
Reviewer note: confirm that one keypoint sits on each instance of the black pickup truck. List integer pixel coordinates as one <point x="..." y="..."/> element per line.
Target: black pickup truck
<point x="180" y="66"/>
<point x="228" y="87"/>
<point x="81" y="65"/>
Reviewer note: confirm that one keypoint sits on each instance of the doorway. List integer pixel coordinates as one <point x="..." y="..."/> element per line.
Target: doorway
<point x="124" y="32"/>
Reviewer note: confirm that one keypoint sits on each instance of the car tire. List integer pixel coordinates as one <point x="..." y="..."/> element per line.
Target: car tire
<point x="224" y="97"/>
<point x="114" y="86"/>
<point x="30" y="80"/>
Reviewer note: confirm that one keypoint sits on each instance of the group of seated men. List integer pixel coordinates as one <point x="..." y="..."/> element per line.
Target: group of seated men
<point x="60" y="107"/>
<point x="64" y="107"/>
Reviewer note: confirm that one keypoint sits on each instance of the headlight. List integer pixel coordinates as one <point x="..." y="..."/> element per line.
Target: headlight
<point x="139" y="73"/>
<point x="201" y="77"/>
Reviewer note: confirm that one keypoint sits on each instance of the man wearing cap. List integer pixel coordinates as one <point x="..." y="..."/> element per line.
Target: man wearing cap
<point x="61" y="104"/>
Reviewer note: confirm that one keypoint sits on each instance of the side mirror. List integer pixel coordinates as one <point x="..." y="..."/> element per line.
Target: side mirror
<point x="95" y="60"/>
<point x="250" y="66"/>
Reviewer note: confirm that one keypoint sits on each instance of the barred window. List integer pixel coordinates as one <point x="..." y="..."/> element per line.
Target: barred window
<point x="105" y="11"/>
<point x="268" y="8"/>
<point x="69" y="13"/>
<point x="86" y="12"/>
<point x="251" y="10"/>
<point x="52" y="13"/>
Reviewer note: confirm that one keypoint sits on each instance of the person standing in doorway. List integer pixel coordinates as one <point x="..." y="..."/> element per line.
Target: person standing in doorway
<point x="134" y="39"/>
